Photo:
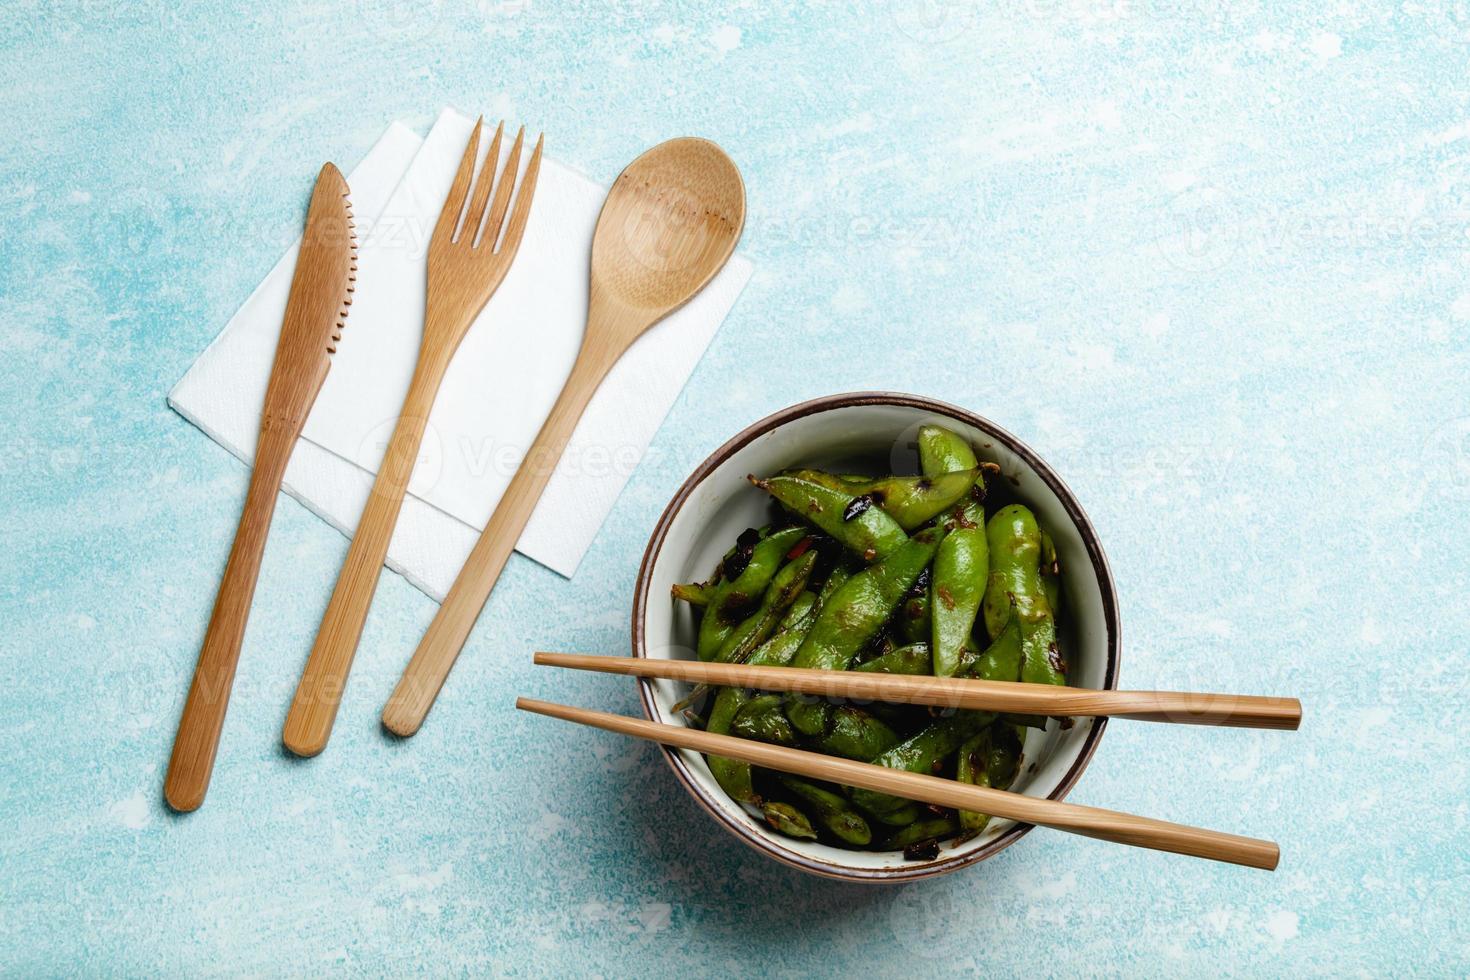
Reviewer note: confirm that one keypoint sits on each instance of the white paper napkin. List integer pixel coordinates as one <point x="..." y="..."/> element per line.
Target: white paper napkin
<point x="499" y="389"/>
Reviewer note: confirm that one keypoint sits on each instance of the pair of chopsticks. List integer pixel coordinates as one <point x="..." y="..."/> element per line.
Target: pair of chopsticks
<point x="1241" y="711"/>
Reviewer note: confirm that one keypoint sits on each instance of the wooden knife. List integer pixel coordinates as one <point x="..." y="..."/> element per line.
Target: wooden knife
<point x="321" y="291"/>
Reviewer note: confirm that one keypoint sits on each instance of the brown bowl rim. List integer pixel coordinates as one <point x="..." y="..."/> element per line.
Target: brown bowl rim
<point x="942" y="865"/>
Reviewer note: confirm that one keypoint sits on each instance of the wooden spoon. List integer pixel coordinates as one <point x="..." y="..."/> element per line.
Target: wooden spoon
<point x="668" y="226"/>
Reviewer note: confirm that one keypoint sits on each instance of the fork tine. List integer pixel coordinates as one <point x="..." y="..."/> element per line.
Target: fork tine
<point x="522" y="212"/>
<point x="504" y="186"/>
<point x="475" y="216"/>
<point x="454" y="202"/>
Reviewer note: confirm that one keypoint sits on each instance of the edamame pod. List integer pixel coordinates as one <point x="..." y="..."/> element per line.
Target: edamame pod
<point x="839" y="575"/>
<point x="913" y="659"/>
<point x="901" y="817"/>
<point x="922" y="753"/>
<point x="990" y="758"/>
<point x="735" y="595"/>
<point x="787" y="819"/>
<point x="922" y="831"/>
<point x="1051" y="575"/>
<point x="1015" y="581"/>
<point x="962" y="563"/>
<point x="733" y="775"/>
<point x="855" y="734"/>
<point x="910" y="500"/>
<point x="1001" y="661"/>
<point x="961" y="568"/>
<point x="763" y="720"/>
<point x="787" y="584"/>
<point x="694" y="593"/>
<point x="913" y="617"/>
<point x="867" y="531"/>
<point x="943" y="450"/>
<point x="852" y="616"/>
<point x="970" y="768"/>
<point x="831" y="811"/>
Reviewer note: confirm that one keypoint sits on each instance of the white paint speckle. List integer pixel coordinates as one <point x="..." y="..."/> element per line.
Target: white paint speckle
<point x="132" y="812"/>
<point x="726" y="38"/>
<point x="1460" y="309"/>
<point x="1327" y="45"/>
<point x="1052" y="888"/>
<point x="427" y="881"/>
<point x="1282" y="925"/>
<point x="664" y="34"/>
<point x="849" y="299"/>
<point x="1108" y="116"/>
<point x="547" y="825"/>
<point x="80" y="197"/>
<point x="85" y="622"/>
<point x="1155" y="326"/>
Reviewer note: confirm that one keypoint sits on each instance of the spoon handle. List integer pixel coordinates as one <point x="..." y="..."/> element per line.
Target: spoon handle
<point x="440" y="646"/>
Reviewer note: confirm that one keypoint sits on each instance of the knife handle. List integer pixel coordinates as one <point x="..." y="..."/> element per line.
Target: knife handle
<point x="324" y="679"/>
<point x="197" y="741"/>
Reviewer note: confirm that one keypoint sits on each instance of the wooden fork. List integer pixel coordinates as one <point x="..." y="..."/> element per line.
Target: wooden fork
<point x="464" y="270"/>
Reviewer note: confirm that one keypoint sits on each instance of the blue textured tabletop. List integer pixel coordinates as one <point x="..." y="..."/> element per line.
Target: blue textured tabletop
<point x="1210" y="259"/>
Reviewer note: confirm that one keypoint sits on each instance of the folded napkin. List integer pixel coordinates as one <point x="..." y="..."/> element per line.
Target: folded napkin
<point x="499" y="389"/>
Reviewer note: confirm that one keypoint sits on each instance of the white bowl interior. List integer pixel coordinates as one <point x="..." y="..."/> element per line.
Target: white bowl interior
<point x="881" y="436"/>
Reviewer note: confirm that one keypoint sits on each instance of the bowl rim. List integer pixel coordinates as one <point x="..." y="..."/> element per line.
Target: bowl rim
<point x="1074" y="510"/>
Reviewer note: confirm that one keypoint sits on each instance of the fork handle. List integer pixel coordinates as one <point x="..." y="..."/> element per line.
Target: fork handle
<point x="197" y="741"/>
<point x="424" y="676"/>
<point x="324" y="679"/>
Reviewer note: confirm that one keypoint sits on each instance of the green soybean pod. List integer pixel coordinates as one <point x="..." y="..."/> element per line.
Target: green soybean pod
<point x="962" y="563"/>
<point x="910" y="500"/>
<point x="832" y="811"/>
<point x="733" y="775"/>
<point x="1016" y="583"/>
<point x="787" y="584"/>
<point x="990" y="758"/>
<point x="835" y="580"/>
<point x="1051" y="575"/>
<point x="912" y="659"/>
<point x="914" y="614"/>
<point x="695" y="593"/>
<point x="852" y="616"/>
<point x="763" y="719"/>
<point x="733" y="597"/>
<point x="943" y="450"/>
<point x="961" y="570"/>
<point x="922" y="831"/>
<point x="788" y="820"/>
<point x="865" y="530"/>
<point x="901" y="817"/>
<point x="853" y="733"/>
<point x="1001" y="661"/>
<point x="970" y="767"/>
<point x="922" y="753"/>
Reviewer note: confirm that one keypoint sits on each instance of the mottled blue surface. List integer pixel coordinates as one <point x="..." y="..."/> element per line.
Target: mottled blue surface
<point x="1209" y="259"/>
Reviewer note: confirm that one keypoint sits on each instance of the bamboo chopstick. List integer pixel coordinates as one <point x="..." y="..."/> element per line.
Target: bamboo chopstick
<point x="1230" y="710"/>
<point x="1109" y="825"/>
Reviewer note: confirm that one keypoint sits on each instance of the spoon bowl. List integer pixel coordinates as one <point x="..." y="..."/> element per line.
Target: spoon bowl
<point x="669" y="224"/>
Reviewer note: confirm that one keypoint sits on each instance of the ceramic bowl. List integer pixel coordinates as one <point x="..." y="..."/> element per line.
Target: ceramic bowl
<point x="876" y="430"/>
